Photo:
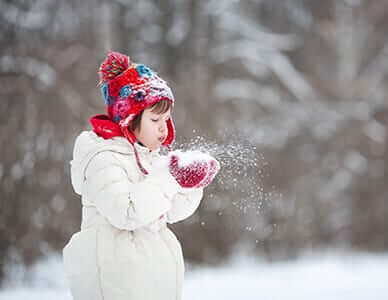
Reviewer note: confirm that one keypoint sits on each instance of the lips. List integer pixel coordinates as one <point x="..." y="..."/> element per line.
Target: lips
<point x="161" y="139"/>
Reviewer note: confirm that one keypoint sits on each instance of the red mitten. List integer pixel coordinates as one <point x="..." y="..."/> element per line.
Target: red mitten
<point x="214" y="167"/>
<point x="193" y="169"/>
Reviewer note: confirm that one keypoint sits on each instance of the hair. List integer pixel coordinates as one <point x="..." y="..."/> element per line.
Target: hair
<point x="160" y="107"/>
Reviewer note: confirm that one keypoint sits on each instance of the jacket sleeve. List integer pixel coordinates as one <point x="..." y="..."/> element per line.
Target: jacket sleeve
<point x="127" y="205"/>
<point x="184" y="204"/>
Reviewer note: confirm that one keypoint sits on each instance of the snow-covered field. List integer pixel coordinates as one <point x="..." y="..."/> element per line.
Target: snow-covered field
<point x="324" y="276"/>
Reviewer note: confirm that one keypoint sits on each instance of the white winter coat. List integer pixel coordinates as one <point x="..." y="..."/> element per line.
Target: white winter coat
<point x="124" y="249"/>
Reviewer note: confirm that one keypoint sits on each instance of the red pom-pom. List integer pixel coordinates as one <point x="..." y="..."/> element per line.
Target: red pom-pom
<point x="114" y="64"/>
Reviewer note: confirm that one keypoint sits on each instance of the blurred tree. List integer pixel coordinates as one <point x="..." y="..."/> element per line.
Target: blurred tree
<point x="302" y="82"/>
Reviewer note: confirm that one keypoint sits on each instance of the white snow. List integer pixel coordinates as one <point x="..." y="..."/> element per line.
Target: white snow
<point x="189" y="157"/>
<point x="320" y="276"/>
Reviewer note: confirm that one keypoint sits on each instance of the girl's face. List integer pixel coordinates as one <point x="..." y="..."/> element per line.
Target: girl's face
<point x="153" y="129"/>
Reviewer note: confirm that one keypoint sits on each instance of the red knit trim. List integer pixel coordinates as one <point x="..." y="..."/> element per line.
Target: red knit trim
<point x="104" y="127"/>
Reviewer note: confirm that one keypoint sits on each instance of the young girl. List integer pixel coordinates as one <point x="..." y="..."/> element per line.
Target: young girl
<point x="124" y="249"/>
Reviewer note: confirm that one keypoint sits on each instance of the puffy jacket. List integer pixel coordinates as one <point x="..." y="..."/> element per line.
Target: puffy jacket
<point x="124" y="249"/>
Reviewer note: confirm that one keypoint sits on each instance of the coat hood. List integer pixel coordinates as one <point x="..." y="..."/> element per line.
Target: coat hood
<point x="87" y="145"/>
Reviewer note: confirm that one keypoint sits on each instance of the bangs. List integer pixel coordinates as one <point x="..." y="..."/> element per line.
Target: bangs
<point x="161" y="107"/>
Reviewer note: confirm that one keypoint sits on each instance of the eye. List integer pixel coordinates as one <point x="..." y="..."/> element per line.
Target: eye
<point x="154" y="120"/>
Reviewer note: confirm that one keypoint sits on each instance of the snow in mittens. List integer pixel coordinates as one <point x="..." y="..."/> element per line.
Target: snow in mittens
<point x="190" y="157"/>
<point x="193" y="169"/>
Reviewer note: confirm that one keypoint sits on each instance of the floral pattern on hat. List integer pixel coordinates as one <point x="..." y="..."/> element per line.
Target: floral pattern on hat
<point x="143" y="71"/>
<point x="125" y="91"/>
<point x="121" y="107"/>
<point x="139" y="95"/>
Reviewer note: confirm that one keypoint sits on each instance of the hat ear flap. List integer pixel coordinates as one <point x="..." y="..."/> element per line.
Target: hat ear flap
<point x="170" y="133"/>
<point x="128" y="134"/>
<point x="124" y="124"/>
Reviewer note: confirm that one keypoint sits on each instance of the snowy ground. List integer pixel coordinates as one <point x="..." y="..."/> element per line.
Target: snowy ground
<point x="323" y="276"/>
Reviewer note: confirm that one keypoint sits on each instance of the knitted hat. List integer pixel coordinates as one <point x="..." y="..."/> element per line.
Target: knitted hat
<point x="129" y="88"/>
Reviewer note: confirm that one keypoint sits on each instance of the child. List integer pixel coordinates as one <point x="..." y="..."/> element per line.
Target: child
<point x="129" y="191"/>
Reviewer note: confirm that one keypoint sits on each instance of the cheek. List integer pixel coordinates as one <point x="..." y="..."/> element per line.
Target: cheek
<point x="149" y="130"/>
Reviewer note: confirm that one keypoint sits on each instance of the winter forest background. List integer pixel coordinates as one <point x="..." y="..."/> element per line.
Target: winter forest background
<point x="295" y="91"/>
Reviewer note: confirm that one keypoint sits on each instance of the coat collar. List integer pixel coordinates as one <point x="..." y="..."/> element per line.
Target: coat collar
<point x="145" y="150"/>
<point x="107" y="129"/>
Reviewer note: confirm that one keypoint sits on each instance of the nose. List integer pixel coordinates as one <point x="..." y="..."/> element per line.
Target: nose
<point x="163" y="128"/>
